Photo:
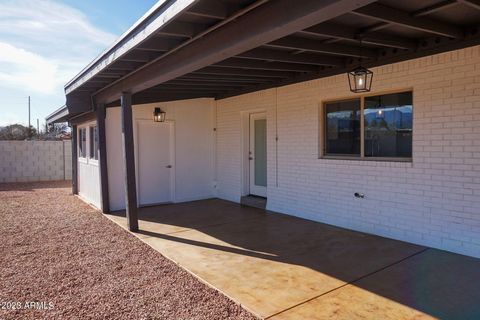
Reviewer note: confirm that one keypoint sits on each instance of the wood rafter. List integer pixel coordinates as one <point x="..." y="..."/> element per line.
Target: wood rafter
<point x="246" y="32"/>
<point x="212" y="9"/>
<point x="181" y="29"/>
<point x="283" y="56"/>
<point x="262" y="65"/>
<point x="405" y="19"/>
<point x="434" y="8"/>
<point x="333" y="30"/>
<point x="471" y="3"/>
<point x="302" y="44"/>
<point x="243" y="72"/>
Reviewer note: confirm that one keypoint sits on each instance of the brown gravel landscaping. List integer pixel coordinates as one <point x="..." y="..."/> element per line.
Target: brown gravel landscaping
<point x="56" y="249"/>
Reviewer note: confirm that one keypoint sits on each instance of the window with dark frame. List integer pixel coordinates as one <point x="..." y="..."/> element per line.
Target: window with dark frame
<point x="388" y="125"/>
<point x="82" y="142"/>
<point x="342" y="136"/>
<point x="94" y="142"/>
<point x="387" y="122"/>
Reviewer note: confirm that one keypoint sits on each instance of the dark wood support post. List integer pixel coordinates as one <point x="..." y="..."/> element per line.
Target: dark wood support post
<point x="102" y="141"/>
<point x="129" y="162"/>
<point x="74" y="159"/>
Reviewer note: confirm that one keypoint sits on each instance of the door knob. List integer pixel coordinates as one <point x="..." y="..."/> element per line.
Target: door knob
<point x="169" y="166"/>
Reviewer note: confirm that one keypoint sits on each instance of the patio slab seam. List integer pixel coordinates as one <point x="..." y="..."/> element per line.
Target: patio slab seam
<point x="423" y="250"/>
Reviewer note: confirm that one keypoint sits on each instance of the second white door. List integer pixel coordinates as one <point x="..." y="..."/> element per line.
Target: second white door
<point x="154" y="162"/>
<point x="258" y="154"/>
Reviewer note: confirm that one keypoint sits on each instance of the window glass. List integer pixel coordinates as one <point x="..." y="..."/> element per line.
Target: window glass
<point x="342" y="127"/>
<point x="93" y="143"/>
<point x="388" y="125"/>
<point x="82" y="142"/>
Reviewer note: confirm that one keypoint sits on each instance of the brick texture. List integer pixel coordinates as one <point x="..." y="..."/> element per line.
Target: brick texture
<point x="433" y="201"/>
<point x="35" y="161"/>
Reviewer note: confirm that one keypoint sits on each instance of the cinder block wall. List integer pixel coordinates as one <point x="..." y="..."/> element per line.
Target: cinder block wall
<point x="22" y="161"/>
<point x="433" y="201"/>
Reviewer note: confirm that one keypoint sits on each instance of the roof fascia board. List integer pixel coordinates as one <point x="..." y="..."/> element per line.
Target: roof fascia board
<point x="131" y="38"/>
<point x="57" y="115"/>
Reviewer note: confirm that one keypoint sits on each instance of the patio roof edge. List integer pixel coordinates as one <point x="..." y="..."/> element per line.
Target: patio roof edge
<point x="139" y="31"/>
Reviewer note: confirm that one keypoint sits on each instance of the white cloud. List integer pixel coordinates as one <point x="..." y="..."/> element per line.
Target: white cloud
<point x="43" y="44"/>
<point x="49" y="26"/>
<point x="20" y="68"/>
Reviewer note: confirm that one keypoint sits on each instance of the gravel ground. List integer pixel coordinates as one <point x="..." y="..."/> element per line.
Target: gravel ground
<point x="56" y="249"/>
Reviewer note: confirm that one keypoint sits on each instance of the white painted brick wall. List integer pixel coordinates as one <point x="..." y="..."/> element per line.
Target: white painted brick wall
<point x="433" y="201"/>
<point x="22" y="161"/>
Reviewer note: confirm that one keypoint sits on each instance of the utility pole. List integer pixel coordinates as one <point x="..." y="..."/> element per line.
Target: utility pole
<point x="38" y="127"/>
<point x="29" y="124"/>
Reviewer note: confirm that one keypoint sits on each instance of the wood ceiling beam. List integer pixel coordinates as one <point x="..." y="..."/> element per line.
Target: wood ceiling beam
<point x="261" y="65"/>
<point x="159" y="44"/>
<point x="181" y="29"/>
<point x="283" y="56"/>
<point x="226" y="79"/>
<point x="136" y="56"/>
<point x="434" y="8"/>
<point x="297" y="43"/>
<point x="272" y="20"/>
<point x="143" y="98"/>
<point x="342" y="32"/>
<point x="375" y="27"/>
<point x="202" y="84"/>
<point x="90" y="86"/>
<point x="231" y="72"/>
<point x="187" y="90"/>
<point x="471" y="3"/>
<point x="124" y="66"/>
<point x="427" y="49"/>
<point x="109" y="75"/>
<point x="95" y="80"/>
<point x="394" y="16"/>
<point x="212" y="9"/>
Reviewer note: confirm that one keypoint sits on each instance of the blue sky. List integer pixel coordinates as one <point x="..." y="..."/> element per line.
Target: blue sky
<point x="44" y="43"/>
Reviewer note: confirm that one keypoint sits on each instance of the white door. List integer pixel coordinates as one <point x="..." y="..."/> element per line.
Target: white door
<point x="154" y="162"/>
<point x="258" y="154"/>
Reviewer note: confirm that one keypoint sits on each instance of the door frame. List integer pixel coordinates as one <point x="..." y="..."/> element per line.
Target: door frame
<point x="171" y="124"/>
<point x="245" y="148"/>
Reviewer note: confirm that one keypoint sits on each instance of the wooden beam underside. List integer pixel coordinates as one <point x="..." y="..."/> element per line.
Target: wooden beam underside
<point x="250" y="53"/>
<point x="251" y="31"/>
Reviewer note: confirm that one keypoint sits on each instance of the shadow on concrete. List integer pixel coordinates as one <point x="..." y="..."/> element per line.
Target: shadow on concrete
<point x="438" y="283"/>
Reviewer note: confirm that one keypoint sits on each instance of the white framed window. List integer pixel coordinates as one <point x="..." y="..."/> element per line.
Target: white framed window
<point x="377" y="127"/>
<point x="82" y="142"/>
<point x="93" y="142"/>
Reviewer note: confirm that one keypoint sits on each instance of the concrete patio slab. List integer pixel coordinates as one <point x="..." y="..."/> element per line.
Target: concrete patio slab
<point x="281" y="266"/>
<point x="432" y="285"/>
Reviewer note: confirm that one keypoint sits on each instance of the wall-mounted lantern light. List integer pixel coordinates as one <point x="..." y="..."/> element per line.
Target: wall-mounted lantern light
<point x="159" y="115"/>
<point x="360" y="78"/>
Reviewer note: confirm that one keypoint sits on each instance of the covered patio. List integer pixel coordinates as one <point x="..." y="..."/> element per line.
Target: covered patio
<point x="283" y="267"/>
<point x="183" y="105"/>
<point x="215" y="68"/>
